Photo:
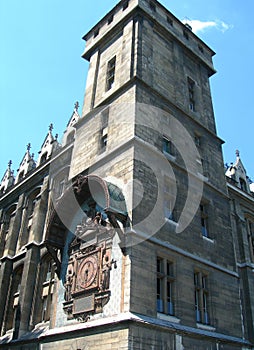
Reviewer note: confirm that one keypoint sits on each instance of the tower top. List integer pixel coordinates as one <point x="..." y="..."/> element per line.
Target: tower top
<point x="126" y="10"/>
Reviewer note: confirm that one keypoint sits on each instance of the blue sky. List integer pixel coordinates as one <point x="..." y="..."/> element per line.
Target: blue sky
<point x="42" y="72"/>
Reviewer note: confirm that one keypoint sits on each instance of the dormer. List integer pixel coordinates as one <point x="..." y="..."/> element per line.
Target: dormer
<point x="8" y="179"/>
<point x="50" y="144"/>
<point x="237" y="173"/>
<point x="69" y="133"/>
<point x="27" y="164"/>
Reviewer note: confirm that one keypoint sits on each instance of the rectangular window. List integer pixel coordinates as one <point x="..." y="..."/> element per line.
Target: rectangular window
<point x="197" y="140"/>
<point x="201" y="298"/>
<point x="125" y="5"/>
<point x="200" y="48"/>
<point x="167" y="146"/>
<point x="110" y="20"/>
<point x="104" y="128"/>
<point x="250" y="229"/>
<point x="111" y="73"/>
<point x="61" y="187"/>
<point x="152" y="6"/>
<point x="96" y="33"/>
<point x="191" y="87"/>
<point x="204" y="220"/>
<point x="47" y="290"/>
<point x="169" y="199"/>
<point x="243" y="185"/>
<point x="169" y="20"/>
<point x="104" y="138"/>
<point x="165" y="286"/>
<point x="186" y="35"/>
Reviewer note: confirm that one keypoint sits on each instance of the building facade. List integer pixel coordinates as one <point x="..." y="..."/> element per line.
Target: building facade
<point x="128" y="234"/>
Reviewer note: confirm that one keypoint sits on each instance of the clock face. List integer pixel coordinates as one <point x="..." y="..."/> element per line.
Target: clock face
<point x="87" y="272"/>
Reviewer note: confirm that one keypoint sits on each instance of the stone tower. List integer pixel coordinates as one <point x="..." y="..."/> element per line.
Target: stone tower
<point x="133" y="245"/>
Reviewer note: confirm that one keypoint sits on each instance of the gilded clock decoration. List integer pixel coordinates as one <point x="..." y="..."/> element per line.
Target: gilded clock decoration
<point x="87" y="272"/>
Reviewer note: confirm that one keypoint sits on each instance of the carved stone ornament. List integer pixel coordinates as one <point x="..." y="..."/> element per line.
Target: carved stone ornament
<point x="88" y="273"/>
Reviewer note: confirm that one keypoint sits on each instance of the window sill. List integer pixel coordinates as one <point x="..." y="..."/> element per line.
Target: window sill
<point x="208" y="239"/>
<point x="205" y="327"/>
<point x="169" y="156"/>
<point x="168" y="318"/>
<point x="171" y="221"/>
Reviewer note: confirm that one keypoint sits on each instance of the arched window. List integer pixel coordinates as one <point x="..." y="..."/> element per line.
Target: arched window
<point x="250" y="231"/>
<point x="45" y="289"/>
<point x="21" y="175"/>
<point x="243" y="185"/>
<point x="44" y="158"/>
<point x="7" y="223"/>
<point x="13" y="306"/>
<point x="28" y="219"/>
<point x="70" y="137"/>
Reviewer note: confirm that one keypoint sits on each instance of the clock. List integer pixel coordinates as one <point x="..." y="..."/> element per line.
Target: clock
<point x="87" y="273"/>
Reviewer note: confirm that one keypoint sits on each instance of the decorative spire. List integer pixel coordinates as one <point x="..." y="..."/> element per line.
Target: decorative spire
<point x="51" y="127"/>
<point x="28" y="147"/>
<point x="9" y="164"/>
<point x="237" y="152"/>
<point x="76" y="106"/>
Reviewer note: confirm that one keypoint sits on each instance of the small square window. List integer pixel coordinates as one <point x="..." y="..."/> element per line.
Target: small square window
<point x="169" y="20"/>
<point x="152" y="6"/>
<point x="200" y="48"/>
<point x="185" y="34"/>
<point x="110" y="20"/>
<point x="167" y="146"/>
<point x="96" y="33"/>
<point x="125" y="5"/>
<point x="197" y="140"/>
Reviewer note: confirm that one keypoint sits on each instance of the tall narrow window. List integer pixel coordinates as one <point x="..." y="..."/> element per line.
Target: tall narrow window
<point x="44" y="158"/>
<point x="160" y="307"/>
<point x="61" y="187"/>
<point x="197" y="139"/>
<point x="167" y="146"/>
<point x="111" y="73"/>
<point x="104" y="129"/>
<point x="243" y="185"/>
<point x="8" y="220"/>
<point x="165" y="286"/>
<point x="47" y="290"/>
<point x="169" y="199"/>
<point x="44" y="291"/>
<point x="191" y="87"/>
<point x="125" y="4"/>
<point x="250" y="229"/>
<point x="152" y="6"/>
<point x="201" y="298"/>
<point x="185" y="34"/>
<point x="13" y="302"/>
<point x="110" y="20"/>
<point x="204" y="220"/>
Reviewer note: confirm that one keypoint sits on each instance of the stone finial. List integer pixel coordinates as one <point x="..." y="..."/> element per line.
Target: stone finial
<point x="9" y="164"/>
<point x="76" y="106"/>
<point x="51" y="127"/>
<point x="237" y="152"/>
<point x="28" y="147"/>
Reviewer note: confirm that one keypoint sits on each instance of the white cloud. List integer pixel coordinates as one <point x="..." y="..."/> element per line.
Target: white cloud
<point x="201" y="26"/>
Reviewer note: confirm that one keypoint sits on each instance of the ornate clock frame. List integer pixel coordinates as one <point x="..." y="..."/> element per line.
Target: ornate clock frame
<point x="87" y="277"/>
<point x="88" y="273"/>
